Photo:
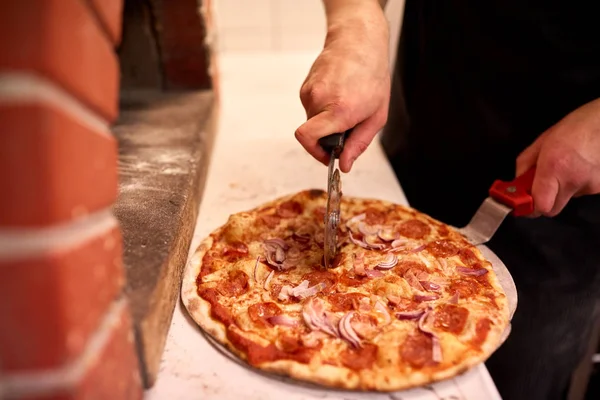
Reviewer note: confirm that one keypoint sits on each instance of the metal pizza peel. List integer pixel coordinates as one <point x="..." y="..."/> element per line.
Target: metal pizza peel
<point x="333" y="145"/>
<point x="513" y="197"/>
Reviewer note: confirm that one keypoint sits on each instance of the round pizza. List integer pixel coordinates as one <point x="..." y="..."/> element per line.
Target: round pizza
<point x="408" y="300"/>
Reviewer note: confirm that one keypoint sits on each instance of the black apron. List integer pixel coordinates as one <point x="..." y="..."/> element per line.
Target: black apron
<point x="474" y="84"/>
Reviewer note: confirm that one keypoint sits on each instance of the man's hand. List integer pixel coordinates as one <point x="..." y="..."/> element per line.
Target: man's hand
<point x="567" y="160"/>
<point x="348" y="85"/>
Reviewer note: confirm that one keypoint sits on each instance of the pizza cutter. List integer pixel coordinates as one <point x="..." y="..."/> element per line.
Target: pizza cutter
<point x="334" y="145"/>
<point x="513" y="197"/>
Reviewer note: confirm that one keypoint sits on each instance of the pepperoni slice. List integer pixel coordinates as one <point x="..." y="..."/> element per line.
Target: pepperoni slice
<point x="289" y="343"/>
<point x="406" y="265"/>
<point x="345" y="301"/>
<point x="325" y="277"/>
<point x="468" y="257"/>
<point x="350" y="279"/>
<point x="260" y="313"/>
<point x="361" y="358"/>
<point x="465" y="287"/>
<point x="207" y="266"/>
<point x="235" y="250"/>
<point x="451" y="318"/>
<point x="481" y="332"/>
<point x="374" y="216"/>
<point x="289" y="209"/>
<point x="319" y="214"/>
<point x="270" y="220"/>
<point x="417" y="350"/>
<point x="442" y="248"/>
<point x="443" y="230"/>
<point x="413" y="229"/>
<point x="235" y="285"/>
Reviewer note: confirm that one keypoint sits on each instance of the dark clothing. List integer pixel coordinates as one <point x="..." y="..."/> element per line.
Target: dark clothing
<point x="475" y="83"/>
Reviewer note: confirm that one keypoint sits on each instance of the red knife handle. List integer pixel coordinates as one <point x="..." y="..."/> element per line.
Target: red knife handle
<point x="516" y="193"/>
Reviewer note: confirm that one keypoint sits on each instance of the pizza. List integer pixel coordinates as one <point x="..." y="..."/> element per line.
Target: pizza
<point x="409" y="300"/>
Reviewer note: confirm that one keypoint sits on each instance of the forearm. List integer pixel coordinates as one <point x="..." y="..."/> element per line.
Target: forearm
<point x="345" y="15"/>
<point x="345" y="12"/>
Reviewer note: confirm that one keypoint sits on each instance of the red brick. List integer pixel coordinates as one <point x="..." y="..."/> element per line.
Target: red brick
<point x="184" y="52"/>
<point x="53" y="302"/>
<point x="52" y="167"/>
<point x="61" y="41"/>
<point x="108" y="370"/>
<point x="109" y="14"/>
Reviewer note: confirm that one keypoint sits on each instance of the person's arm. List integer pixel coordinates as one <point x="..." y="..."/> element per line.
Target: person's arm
<point x="349" y="83"/>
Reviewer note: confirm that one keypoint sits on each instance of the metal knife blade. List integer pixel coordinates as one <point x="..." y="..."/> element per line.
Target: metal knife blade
<point x="334" y="145"/>
<point x="505" y="198"/>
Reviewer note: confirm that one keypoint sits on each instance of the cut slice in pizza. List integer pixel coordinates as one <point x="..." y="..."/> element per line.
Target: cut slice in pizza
<point x="409" y="301"/>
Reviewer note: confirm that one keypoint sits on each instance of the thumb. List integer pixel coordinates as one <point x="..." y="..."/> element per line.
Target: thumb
<point x="528" y="158"/>
<point x="322" y="124"/>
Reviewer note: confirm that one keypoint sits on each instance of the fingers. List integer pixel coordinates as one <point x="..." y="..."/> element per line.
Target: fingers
<point x="358" y="141"/>
<point x="544" y="190"/>
<point x="556" y="181"/>
<point x="323" y="124"/>
<point x="528" y="157"/>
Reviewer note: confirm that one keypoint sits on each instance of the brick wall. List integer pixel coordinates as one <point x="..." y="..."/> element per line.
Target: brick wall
<point x="65" y="330"/>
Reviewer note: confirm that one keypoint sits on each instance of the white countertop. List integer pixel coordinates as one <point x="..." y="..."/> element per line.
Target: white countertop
<point x="256" y="159"/>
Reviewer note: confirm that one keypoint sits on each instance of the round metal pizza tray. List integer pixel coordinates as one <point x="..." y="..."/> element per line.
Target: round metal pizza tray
<point x="504" y="277"/>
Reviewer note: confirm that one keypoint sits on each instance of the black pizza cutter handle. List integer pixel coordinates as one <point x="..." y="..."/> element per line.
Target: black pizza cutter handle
<point x="334" y="143"/>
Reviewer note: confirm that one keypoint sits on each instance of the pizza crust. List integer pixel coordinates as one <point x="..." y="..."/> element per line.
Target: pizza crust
<point x="324" y="374"/>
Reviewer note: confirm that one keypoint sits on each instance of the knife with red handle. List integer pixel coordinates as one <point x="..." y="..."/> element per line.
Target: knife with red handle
<point x="513" y="197"/>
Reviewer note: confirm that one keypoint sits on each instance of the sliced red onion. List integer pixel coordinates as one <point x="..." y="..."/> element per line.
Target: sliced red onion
<point x="430" y="286"/>
<point x="270" y="260"/>
<point x="454" y="298"/>
<point x="331" y="324"/>
<point x="293" y="254"/>
<point x="418" y="248"/>
<point x="303" y="234"/>
<point x="367" y="230"/>
<point x="371" y="273"/>
<point x="277" y="242"/>
<point x="256" y="269"/>
<point x="267" y="283"/>
<point x="356" y="241"/>
<point x="410" y="315"/>
<point x="283" y="320"/>
<point x="399" y="243"/>
<point x="387" y="234"/>
<point x="379" y="306"/>
<point x="423" y="323"/>
<point x="421" y="297"/>
<point x="436" y="350"/>
<point x="355" y="219"/>
<point x="371" y="242"/>
<point x="346" y="330"/>
<point x="472" y="271"/>
<point x="312" y="313"/>
<point x="389" y="262"/>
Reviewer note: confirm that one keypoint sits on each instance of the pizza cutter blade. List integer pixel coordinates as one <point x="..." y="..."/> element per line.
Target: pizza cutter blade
<point x="334" y="145"/>
<point x="505" y="198"/>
